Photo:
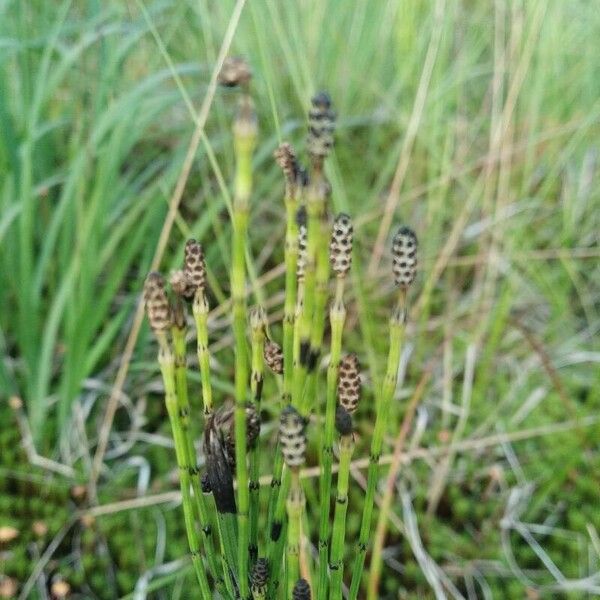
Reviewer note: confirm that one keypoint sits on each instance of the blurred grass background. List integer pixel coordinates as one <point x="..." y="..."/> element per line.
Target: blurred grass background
<point x="475" y="122"/>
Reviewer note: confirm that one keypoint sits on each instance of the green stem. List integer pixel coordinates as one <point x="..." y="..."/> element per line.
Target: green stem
<point x="295" y="507"/>
<point x="314" y="209"/>
<point x="183" y="418"/>
<point x="297" y="319"/>
<point x="166" y="361"/>
<point x="200" y="310"/>
<point x="244" y="142"/>
<point x="337" y="316"/>
<point x="298" y="316"/>
<point x="291" y="260"/>
<point x="277" y="533"/>
<point x="227" y="525"/>
<point x="278" y="461"/>
<point x="383" y="409"/>
<point x="256" y="384"/>
<point x="339" y="519"/>
<point x="321" y="294"/>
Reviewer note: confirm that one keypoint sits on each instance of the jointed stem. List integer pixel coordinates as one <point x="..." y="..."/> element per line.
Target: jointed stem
<point x="305" y="314"/>
<point x="277" y="532"/>
<point x="256" y="384"/>
<point x="339" y="520"/>
<point x="200" y="310"/>
<point x="183" y="418"/>
<point x="295" y="507"/>
<point x="167" y="366"/>
<point x="337" y="315"/>
<point x="244" y="138"/>
<point x="291" y="259"/>
<point x="321" y="293"/>
<point x="383" y="409"/>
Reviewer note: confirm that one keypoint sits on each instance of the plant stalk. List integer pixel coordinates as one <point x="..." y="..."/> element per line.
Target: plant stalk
<point x="244" y="143"/>
<point x="166" y="361"/>
<point x="256" y="385"/>
<point x="200" y="311"/>
<point x="183" y="418"/>
<point x="295" y="507"/>
<point x="291" y="259"/>
<point x="388" y="388"/>
<point x="339" y="520"/>
<point x="337" y="316"/>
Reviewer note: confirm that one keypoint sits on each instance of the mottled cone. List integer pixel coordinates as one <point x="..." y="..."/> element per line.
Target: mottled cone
<point x="302" y="241"/>
<point x="348" y="388"/>
<point x="285" y="157"/>
<point x="222" y="423"/>
<point x="340" y="246"/>
<point x="194" y="266"/>
<point x="404" y="256"/>
<point x="343" y="420"/>
<point x="260" y="576"/>
<point x="273" y="356"/>
<point x="157" y="304"/>
<point x="292" y="437"/>
<point x="301" y="590"/>
<point x="180" y="284"/>
<point x="235" y="71"/>
<point x="321" y="125"/>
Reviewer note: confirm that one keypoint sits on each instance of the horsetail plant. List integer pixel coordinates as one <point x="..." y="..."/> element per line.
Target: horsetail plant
<point x="285" y="157"/>
<point x="249" y="564"/>
<point x="244" y="133"/>
<point x="343" y="424"/>
<point x="194" y="273"/>
<point x="292" y="439"/>
<point x="340" y="257"/>
<point x="183" y="286"/>
<point x="313" y="276"/>
<point x="404" y="268"/>
<point x="319" y="143"/>
<point x="159" y="314"/>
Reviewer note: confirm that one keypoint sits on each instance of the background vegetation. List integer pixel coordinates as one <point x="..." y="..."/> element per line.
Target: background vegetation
<point x="475" y="122"/>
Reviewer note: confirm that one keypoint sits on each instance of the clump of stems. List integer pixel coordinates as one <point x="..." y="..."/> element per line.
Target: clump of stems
<point x="160" y="316"/>
<point x="317" y="251"/>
